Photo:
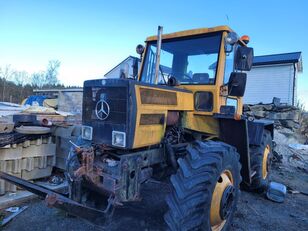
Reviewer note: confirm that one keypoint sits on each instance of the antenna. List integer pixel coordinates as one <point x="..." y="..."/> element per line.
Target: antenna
<point x="227" y="17"/>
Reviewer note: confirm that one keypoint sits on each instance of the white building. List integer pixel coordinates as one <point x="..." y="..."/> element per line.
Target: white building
<point x="274" y="76"/>
<point x="128" y="68"/>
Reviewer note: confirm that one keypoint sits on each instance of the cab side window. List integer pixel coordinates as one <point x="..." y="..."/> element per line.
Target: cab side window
<point x="229" y="63"/>
<point x="204" y="101"/>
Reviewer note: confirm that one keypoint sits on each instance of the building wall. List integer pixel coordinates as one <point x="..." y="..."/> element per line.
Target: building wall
<point x="126" y="67"/>
<point x="266" y="82"/>
<point x="295" y="83"/>
<point x="70" y="102"/>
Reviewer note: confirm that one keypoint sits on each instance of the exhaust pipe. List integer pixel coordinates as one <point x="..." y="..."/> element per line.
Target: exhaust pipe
<point x="159" y="38"/>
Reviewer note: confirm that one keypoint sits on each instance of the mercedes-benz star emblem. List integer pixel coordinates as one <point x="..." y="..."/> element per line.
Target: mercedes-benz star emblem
<point x="102" y="109"/>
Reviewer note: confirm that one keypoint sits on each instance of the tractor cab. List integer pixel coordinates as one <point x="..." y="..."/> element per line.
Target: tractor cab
<point x="189" y="61"/>
<point x="202" y="61"/>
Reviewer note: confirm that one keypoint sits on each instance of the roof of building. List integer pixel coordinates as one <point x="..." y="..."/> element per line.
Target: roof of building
<point x="293" y="57"/>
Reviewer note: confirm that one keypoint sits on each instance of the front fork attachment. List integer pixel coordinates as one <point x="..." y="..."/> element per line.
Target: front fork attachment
<point x="60" y="201"/>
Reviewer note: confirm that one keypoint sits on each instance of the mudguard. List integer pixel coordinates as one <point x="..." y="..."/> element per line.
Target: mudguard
<point x="256" y="129"/>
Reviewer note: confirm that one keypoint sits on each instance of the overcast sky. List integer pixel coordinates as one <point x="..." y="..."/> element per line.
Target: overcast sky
<point x="91" y="37"/>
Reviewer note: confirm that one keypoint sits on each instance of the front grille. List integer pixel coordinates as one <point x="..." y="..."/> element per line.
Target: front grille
<point x="116" y="97"/>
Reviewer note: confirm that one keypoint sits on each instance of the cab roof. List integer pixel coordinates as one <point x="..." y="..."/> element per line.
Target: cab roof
<point x="190" y="32"/>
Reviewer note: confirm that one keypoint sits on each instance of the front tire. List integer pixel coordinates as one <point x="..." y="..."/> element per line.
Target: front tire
<point x="260" y="158"/>
<point x="205" y="188"/>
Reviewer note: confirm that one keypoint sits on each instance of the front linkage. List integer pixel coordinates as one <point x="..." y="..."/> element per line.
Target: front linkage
<point x="100" y="175"/>
<point x="106" y="172"/>
<point x="58" y="200"/>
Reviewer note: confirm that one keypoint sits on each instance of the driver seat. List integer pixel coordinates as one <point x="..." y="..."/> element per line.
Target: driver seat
<point x="203" y="78"/>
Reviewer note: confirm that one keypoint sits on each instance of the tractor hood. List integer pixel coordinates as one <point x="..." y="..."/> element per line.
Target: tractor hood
<point x="107" y="109"/>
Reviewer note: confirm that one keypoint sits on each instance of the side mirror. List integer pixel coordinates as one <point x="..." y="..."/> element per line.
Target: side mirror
<point x="237" y="84"/>
<point x="243" y="58"/>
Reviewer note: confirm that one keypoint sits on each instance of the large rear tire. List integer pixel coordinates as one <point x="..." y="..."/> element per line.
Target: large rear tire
<point x="205" y="188"/>
<point x="260" y="161"/>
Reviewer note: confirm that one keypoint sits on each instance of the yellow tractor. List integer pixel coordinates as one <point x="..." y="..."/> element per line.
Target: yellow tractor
<point x="181" y="118"/>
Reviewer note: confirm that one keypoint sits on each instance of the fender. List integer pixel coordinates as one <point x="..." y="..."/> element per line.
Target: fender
<point x="256" y="129"/>
<point x="241" y="134"/>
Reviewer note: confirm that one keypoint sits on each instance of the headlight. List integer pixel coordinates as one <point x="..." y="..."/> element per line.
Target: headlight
<point x="118" y="139"/>
<point x="86" y="132"/>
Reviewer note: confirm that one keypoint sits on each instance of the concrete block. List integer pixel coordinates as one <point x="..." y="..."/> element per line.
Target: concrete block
<point x="10" y="152"/>
<point x="34" y="142"/>
<point x="39" y="150"/>
<point x="30" y="163"/>
<point x="13" y="166"/>
<point x="6" y="186"/>
<point x="47" y="140"/>
<point x="30" y="159"/>
<point x="26" y="143"/>
<point x="36" y="173"/>
<point x="70" y="102"/>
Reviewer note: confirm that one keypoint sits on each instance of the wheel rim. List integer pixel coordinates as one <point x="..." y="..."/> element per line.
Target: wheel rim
<point x="265" y="162"/>
<point x="222" y="201"/>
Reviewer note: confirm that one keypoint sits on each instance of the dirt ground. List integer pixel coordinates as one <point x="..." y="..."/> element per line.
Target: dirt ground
<point x="254" y="211"/>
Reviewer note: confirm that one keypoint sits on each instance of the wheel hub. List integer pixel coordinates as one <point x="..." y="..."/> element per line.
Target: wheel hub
<point x="227" y="202"/>
<point x="222" y="201"/>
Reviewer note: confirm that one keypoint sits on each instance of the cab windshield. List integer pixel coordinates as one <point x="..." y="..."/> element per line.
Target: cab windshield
<point x="189" y="60"/>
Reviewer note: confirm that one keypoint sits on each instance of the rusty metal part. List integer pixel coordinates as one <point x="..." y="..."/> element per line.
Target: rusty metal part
<point x="87" y="168"/>
<point x="60" y="201"/>
<point x="52" y="199"/>
<point x="223" y="91"/>
<point x="119" y="175"/>
<point x="92" y="173"/>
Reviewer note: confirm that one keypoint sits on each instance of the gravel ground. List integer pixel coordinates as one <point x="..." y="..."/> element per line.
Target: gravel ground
<point x="254" y="211"/>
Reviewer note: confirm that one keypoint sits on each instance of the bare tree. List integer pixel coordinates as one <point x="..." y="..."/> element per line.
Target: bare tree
<point x="48" y="77"/>
<point x="21" y="78"/>
<point x="6" y="74"/>
<point x="38" y="79"/>
<point x="51" y="77"/>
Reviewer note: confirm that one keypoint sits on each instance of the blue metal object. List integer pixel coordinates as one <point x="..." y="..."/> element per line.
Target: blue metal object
<point x="276" y="192"/>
